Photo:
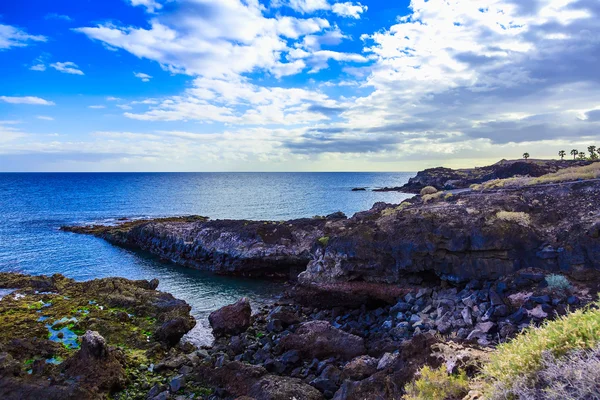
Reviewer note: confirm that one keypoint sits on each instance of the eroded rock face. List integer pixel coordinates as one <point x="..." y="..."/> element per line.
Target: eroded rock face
<point x="461" y="237"/>
<point x="231" y="319"/>
<point x="248" y="248"/>
<point x="318" y="339"/>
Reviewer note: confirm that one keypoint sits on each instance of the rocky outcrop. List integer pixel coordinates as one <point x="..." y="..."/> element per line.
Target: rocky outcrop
<point x="319" y="339"/>
<point x="471" y="235"/>
<point x="63" y="339"/>
<point x="247" y="248"/>
<point x="446" y="178"/>
<point x="231" y="319"/>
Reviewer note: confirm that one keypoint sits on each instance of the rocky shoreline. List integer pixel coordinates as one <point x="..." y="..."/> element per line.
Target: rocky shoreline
<point x="437" y="281"/>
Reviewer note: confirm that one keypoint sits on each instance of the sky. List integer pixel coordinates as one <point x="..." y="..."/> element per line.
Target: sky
<point x="294" y="85"/>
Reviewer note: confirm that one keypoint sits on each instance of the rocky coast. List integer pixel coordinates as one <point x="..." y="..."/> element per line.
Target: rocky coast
<point x="377" y="301"/>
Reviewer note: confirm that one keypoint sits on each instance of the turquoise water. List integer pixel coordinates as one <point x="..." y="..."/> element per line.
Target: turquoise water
<point x="34" y="206"/>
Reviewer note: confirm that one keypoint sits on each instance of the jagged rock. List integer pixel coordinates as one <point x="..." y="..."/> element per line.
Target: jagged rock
<point x="173" y="330"/>
<point x="360" y="368"/>
<point x="231" y="319"/>
<point x="388" y="360"/>
<point x="318" y="339"/>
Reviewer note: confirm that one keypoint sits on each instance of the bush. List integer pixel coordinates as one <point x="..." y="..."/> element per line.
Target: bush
<point x="324" y="241"/>
<point x="516" y="363"/>
<point x="428" y="190"/>
<point x="558" y="283"/>
<point x="428" y="197"/>
<point x="572" y="377"/>
<point x="437" y="384"/>
<point x="520" y="218"/>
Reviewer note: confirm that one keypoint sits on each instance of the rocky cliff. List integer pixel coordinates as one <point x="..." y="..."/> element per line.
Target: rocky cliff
<point x="446" y="178"/>
<point x="471" y="235"/>
<point x="249" y="248"/>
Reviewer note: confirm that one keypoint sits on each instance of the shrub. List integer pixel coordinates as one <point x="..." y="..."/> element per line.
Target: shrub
<point x="428" y="190"/>
<point x="516" y="363"/>
<point x="428" y="197"/>
<point x="558" y="283"/>
<point x="520" y="218"/>
<point x="437" y="384"/>
<point x="572" y="377"/>
<point x="324" y="241"/>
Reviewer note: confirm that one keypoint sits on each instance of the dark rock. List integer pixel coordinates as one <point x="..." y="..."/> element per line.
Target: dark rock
<point x="173" y="330"/>
<point x="540" y="299"/>
<point x="517" y="316"/>
<point x="572" y="300"/>
<point x="318" y="339"/>
<point x="290" y="357"/>
<point x="231" y="319"/>
<point x="360" y="368"/>
<point x="177" y="383"/>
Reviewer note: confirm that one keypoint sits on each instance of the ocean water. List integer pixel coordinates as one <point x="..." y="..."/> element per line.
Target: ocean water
<point x="34" y="206"/>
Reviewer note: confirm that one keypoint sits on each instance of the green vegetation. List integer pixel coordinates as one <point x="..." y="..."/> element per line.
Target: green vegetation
<point x="521" y="358"/>
<point x="574" y="153"/>
<point x="437" y="384"/>
<point x="558" y="283"/>
<point x="525" y="156"/>
<point x="562" y="154"/>
<point x="428" y="190"/>
<point x="592" y="150"/>
<point x="324" y="241"/>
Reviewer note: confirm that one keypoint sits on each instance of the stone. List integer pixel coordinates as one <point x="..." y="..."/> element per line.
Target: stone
<point x="232" y="319"/>
<point x="387" y="360"/>
<point x="540" y="299"/>
<point x="318" y="339"/>
<point x="360" y="368"/>
<point x="275" y="325"/>
<point x="173" y="330"/>
<point x="466" y="315"/>
<point x="517" y="316"/>
<point x="176" y="383"/>
<point x="572" y="300"/>
<point x="495" y="298"/>
<point x="401" y="306"/>
<point x="485" y="327"/>
<point x="538" y="313"/>
<point x="290" y="357"/>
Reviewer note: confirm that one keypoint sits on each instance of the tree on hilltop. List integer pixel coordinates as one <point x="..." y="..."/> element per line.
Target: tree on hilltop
<point x="574" y="153"/>
<point x="525" y="156"/>
<point x="562" y="154"/>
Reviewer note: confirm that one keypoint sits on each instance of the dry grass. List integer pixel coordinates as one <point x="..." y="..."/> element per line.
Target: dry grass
<point x="516" y="363"/>
<point x="428" y="190"/>
<point x="591" y="171"/>
<point x="394" y="210"/>
<point x="519" y="218"/>
<point x="437" y="384"/>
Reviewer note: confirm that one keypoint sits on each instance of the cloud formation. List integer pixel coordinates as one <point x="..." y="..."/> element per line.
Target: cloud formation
<point x="67" y="68"/>
<point x="11" y="36"/>
<point x="144" y="77"/>
<point x="26" y="100"/>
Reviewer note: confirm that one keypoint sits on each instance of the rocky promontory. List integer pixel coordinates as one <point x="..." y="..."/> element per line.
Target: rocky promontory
<point x="443" y="178"/>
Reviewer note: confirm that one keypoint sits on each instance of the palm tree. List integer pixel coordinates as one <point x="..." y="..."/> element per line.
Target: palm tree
<point x="526" y="156"/>
<point x="592" y="150"/>
<point x="562" y="154"/>
<point x="574" y="153"/>
<point x="582" y="156"/>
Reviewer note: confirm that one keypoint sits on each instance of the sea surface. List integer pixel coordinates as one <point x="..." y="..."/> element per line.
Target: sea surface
<point x="33" y="207"/>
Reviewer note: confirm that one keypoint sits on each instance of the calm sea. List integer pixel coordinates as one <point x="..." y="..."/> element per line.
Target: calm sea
<point x="34" y="206"/>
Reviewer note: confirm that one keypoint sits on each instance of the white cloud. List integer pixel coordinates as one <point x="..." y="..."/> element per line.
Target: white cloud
<point x="349" y="9"/>
<point x="45" y="118"/>
<point x="38" y="67"/>
<point x="151" y="5"/>
<point x="11" y="36"/>
<point x="144" y="77"/>
<point x="97" y="107"/>
<point x="67" y="68"/>
<point x="308" y="6"/>
<point x="26" y="100"/>
<point x="206" y="36"/>
<point x="112" y="98"/>
<point x="58" y="16"/>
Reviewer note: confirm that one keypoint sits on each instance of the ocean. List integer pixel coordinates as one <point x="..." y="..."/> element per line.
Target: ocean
<point x="33" y="206"/>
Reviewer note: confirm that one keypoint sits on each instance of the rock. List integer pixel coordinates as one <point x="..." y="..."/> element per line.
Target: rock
<point x="360" y="368"/>
<point x="387" y="361"/>
<point x="272" y="387"/>
<point x="359" y="189"/>
<point x="173" y="330"/>
<point x="319" y="339"/>
<point x="572" y="300"/>
<point x="290" y="357"/>
<point x="485" y="327"/>
<point x="177" y="383"/>
<point x="467" y="317"/>
<point x="275" y="325"/>
<point x="517" y="316"/>
<point x="284" y="314"/>
<point x="401" y="306"/>
<point x="538" y="313"/>
<point x="231" y="319"/>
<point x="93" y="346"/>
<point x="540" y="299"/>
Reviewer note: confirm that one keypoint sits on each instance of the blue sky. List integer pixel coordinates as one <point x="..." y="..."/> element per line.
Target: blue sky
<point x="284" y="85"/>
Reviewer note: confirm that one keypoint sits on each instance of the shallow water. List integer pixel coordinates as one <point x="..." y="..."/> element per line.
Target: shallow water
<point x="34" y="206"/>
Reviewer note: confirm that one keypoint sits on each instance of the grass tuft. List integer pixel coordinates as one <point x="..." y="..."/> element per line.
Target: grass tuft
<point x="437" y="384"/>
<point x="428" y="190"/>
<point x="519" y="218"/>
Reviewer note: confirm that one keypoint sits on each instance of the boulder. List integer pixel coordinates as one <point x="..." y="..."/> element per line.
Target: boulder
<point x="232" y="319"/>
<point x="319" y="339"/>
<point x="173" y="330"/>
<point x="360" y="368"/>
